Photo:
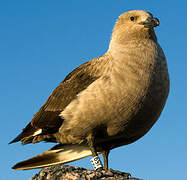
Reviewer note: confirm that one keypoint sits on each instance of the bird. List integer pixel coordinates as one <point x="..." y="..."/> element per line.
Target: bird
<point x="107" y="102"/>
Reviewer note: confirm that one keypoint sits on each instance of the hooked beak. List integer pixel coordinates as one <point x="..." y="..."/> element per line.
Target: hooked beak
<point x="150" y="22"/>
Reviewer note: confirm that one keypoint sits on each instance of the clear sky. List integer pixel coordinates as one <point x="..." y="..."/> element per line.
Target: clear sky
<point x="41" y="41"/>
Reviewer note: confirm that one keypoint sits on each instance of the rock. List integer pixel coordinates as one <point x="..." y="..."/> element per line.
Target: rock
<point x="65" y="172"/>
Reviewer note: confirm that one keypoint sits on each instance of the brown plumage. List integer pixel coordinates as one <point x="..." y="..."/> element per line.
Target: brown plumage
<point x="107" y="102"/>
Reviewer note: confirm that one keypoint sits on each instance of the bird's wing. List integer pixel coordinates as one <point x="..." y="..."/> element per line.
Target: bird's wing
<point x="56" y="155"/>
<point x="73" y="84"/>
<point x="47" y="119"/>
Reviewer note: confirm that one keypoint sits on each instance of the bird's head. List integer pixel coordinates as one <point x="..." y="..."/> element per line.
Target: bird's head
<point x="137" y="24"/>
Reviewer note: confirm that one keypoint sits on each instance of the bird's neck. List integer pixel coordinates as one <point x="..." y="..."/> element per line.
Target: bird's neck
<point x="120" y="47"/>
<point x="133" y="55"/>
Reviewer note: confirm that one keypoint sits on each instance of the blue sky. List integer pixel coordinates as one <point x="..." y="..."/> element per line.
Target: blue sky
<point x="42" y="41"/>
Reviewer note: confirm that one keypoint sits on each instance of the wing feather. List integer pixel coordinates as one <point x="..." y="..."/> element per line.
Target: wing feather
<point x="47" y="118"/>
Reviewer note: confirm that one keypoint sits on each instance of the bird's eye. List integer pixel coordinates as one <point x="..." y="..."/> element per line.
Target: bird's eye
<point x="132" y="18"/>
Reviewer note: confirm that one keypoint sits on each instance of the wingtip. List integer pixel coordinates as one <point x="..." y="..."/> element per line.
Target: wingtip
<point x="20" y="166"/>
<point x="10" y="142"/>
<point x="24" y="165"/>
<point x="57" y="155"/>
<point x="14" y="167"/>
<point x="15" y="140"/>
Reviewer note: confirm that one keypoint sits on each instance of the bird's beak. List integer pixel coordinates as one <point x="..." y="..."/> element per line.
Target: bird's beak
<point x="150" y="22"/>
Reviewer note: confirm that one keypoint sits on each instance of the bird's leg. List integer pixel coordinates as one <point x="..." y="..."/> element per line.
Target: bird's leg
<point x="95" y="160"/>
<point x="91" y="142"/>
<point x="105" y="157"/>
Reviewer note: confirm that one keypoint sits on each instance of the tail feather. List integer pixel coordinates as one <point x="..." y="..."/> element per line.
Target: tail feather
<point x="56" y="155"/>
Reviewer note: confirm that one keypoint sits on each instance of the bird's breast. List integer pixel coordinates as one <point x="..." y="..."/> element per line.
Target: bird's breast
<point x="146" y="87"/>
<point x="127" y="99"/>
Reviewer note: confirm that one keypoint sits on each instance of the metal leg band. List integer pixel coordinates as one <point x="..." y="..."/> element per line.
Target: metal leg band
<point x="96" y="163"/>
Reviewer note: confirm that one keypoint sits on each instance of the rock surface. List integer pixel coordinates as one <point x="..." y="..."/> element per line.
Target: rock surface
<point x="65" y="172"/>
